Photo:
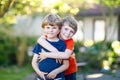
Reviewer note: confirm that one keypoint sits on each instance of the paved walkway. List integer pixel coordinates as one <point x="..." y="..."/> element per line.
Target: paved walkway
<point x="96" y="76"/>
<point x="30" y="77"/>
<point x="100" y="76"/>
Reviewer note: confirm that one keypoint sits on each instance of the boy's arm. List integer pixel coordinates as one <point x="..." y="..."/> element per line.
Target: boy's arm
<point x="56" y="71"/>
<point x="45" y="44"/>
<point x="35" y="66"/>
<point x="61" y="55"/>
<point x="54" y="51"/>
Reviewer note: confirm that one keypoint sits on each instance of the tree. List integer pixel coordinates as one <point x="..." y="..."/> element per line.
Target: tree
<point x="5" y="5"/>
<point x="111" y="4"/>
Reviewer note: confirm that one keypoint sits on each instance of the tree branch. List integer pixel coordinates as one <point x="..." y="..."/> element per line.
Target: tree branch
<point x="5" y="7"/>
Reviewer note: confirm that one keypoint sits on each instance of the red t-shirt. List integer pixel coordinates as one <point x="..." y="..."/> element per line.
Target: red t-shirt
<point x="72" y="61"/>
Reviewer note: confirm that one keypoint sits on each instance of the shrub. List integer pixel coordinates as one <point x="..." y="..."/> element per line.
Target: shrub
<point x="10" y="46"/>
<point x="95" y="53"/>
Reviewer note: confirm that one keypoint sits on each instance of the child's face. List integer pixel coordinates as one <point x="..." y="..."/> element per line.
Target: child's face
<point x="66" y="32"/>
<point x="51" y="31"/>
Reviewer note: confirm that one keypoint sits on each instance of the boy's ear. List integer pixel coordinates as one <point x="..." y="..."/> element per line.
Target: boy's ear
<point x="58" y="33"/>
<point x="59" y="30"/>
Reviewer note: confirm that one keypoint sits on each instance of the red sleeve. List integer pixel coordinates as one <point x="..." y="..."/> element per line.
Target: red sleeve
<point x="69" y="44"/>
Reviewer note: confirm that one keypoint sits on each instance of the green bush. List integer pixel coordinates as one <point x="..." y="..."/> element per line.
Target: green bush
<point x="9" y="46"/>
<point x="7" y="50"/>
<point x="95" y="54"/>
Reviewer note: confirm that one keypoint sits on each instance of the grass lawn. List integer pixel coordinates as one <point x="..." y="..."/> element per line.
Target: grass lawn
<point x="14" y="72"/>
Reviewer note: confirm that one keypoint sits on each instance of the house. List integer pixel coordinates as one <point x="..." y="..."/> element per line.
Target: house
<point x="29" y="26"/>
<point x="98" y="23"/>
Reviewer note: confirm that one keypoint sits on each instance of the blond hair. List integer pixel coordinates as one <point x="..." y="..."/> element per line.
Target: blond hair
<point x="52" y="19"/>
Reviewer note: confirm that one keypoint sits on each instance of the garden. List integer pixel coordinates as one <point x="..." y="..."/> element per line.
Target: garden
<point x="16" y="62"/>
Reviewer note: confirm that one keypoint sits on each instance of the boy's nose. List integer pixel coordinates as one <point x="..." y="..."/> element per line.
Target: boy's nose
<point x="51" y="29"/>
<point x="68" y="32"/>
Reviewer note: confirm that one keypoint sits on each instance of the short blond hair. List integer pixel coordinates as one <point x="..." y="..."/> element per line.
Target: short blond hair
<point x="52" y="19"/>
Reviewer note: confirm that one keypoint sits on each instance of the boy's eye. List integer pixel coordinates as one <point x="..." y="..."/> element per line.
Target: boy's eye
<point x="54" y="27"/>
<point x="72" y="32"/>
<point x="69" y="30"/>
<point x="66" y="28"/>
<point x="47" y="27"/>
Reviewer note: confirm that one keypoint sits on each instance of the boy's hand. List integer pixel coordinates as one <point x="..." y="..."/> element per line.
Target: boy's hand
<point x="42" y="55"/>
<point x="42" y="75"/>
<point x="59" y="61"/>
<point x="52" y="74"/>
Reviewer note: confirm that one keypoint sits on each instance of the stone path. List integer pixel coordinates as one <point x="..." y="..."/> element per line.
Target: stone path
<point x="30" y="77"/>
<point x="100" y="76"/>
<point x="96" y="76"/>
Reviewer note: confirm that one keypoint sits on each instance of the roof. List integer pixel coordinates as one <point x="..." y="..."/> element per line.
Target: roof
<point x="98" y="10"/>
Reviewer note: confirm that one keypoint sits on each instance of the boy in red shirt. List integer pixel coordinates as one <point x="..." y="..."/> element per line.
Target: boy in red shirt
<point x="69" y="28"/>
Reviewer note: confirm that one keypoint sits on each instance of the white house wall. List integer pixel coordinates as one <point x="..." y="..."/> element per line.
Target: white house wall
<point x="29" y="26"/>
<point x="32" y="27"/>
<point x="112" y="28"/>
<point x="88" y="27"/>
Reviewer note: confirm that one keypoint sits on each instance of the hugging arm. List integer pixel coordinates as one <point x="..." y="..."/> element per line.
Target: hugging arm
<point x="55" y="53"/>
<point x="46" y="44"/>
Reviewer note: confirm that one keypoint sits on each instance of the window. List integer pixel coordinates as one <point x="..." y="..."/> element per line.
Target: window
<point x="99" y="30"/>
